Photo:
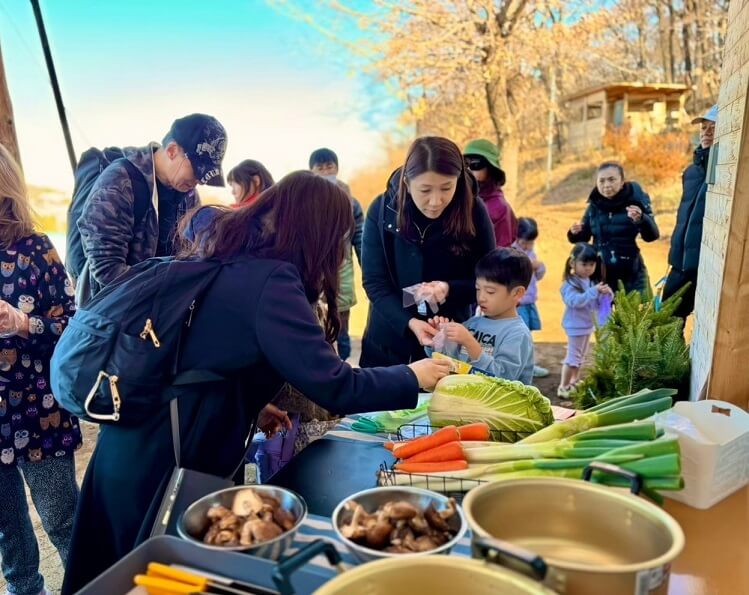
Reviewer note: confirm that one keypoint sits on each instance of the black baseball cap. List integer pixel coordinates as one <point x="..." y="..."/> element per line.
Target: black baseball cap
<point x="203" y="139"/>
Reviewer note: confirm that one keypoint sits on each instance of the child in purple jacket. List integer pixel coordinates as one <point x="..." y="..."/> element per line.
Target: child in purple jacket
<point x="581" y="292"/>
<point x="527" y="310"/>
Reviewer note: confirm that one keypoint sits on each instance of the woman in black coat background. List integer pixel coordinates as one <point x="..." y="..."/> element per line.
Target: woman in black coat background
<point x="427" y="227"/>
<point x="617" y="213"/>
<point x="255" y="326"/>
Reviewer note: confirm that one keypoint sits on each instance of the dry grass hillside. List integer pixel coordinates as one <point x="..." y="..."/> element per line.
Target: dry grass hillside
<point x="50" y="206"/>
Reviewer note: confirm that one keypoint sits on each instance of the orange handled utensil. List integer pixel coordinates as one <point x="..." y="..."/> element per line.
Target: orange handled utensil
<point x="163" y="586"/>
<point x="197" y="581"/>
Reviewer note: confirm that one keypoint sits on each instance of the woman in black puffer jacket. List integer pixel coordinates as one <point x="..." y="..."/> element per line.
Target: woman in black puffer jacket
<point x="617" y="213"/>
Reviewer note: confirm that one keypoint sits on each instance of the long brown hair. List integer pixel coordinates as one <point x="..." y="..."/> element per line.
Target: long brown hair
<point x="442" y="156"/>
<point x="16" y="214"/>
<point x="305" y="220"/>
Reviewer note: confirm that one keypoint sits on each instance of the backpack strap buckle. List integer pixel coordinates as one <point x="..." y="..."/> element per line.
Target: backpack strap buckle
<point x="116" y="401"/>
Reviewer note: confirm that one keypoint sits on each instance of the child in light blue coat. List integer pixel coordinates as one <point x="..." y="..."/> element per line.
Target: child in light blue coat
<point x="582" y="293"/>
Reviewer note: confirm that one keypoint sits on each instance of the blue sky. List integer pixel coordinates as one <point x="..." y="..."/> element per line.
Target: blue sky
<point x="127" y="69"/>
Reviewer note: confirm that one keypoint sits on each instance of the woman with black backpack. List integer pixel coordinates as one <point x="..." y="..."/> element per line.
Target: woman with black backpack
<point x="256" y="326"/>
<point x="617" y="213"/>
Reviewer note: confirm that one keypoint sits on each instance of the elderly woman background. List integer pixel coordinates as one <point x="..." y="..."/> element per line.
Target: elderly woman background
<point x="617" y="213"/>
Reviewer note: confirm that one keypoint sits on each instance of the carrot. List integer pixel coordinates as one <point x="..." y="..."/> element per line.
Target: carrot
<point x="390" y="445"/>
<point x="409" y="467"/>
<point x="477" y="431"/>
<point x="452" y="451"/>
<point x="441" y="436"/>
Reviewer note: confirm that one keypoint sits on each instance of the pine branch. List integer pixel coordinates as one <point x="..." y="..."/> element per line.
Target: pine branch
<point x="637" y="348"/>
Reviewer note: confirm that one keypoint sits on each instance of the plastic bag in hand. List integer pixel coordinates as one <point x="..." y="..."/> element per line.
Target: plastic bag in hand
<point x="442" y="344"/>
<point x="605" y="302"/>
<point x="420" y="294"/>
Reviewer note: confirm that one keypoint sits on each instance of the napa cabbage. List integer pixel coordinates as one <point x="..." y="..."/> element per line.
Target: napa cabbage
<point x="512" y="409"/>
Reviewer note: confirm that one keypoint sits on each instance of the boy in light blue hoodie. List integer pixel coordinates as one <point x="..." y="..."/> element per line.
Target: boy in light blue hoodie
<point x="497" y="342"/>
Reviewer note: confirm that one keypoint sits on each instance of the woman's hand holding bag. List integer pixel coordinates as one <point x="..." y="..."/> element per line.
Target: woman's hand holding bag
<point x="424" y="331"/>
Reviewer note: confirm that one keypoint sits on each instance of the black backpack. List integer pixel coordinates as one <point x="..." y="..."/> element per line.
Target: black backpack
<point x="118" y="358"/>
<point x="91" y="165"/>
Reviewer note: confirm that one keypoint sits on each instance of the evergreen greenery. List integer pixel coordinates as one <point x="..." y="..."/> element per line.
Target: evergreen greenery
<point x="640" y="346"/>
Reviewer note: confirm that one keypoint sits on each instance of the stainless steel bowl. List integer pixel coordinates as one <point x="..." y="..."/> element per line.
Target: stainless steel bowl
<point x="194" y="522"/>
<point x="373" y="498"/>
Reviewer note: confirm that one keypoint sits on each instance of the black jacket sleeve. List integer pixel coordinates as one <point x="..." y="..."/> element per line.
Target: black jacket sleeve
<point x="585" y="233"/>
<point x="648" y="228"/>
<point x="383" y="295"/>
<point x="106" y="224"/>
<point x="294" y="344"/>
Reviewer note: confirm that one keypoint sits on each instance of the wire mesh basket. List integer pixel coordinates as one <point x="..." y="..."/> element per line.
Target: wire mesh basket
<point x="449" y="486"/>
<point x="455" y="488"/>
<point x="414" y="430"/>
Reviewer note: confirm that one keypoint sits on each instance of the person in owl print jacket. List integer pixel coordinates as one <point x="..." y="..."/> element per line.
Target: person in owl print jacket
<point x="37" y="437"/>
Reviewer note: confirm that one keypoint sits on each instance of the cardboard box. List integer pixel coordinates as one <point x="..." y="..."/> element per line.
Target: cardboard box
<point x="714" y="441"/>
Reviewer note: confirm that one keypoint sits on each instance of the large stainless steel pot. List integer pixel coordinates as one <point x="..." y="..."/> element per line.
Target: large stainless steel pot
<point x="579" y="538"/>
<point x="434" y="575"/>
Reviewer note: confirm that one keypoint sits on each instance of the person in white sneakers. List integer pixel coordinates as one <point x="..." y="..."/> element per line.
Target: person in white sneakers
<point x="582" y="294"/>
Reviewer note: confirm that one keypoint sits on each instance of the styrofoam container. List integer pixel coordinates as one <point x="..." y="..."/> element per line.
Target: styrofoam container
<point x="714" y="440"/>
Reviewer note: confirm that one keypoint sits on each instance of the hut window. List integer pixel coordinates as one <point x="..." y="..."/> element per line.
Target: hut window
<point x="595" y="111"/>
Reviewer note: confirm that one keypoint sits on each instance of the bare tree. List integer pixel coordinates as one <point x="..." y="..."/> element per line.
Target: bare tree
<point x="482" y="68"/>
<point x="470" y="68"/>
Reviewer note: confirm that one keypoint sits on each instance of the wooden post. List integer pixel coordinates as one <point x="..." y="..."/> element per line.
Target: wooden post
<point x="7" y="124"/>
<point x="683" y="116"/>
<point x="729" y="380"/>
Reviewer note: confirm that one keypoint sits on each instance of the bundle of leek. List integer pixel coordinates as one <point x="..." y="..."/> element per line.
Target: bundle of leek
<point x="566" y="448"/>
<point x="620" y="410"/>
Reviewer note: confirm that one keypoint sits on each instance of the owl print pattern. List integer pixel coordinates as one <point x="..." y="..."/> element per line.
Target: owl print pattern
<point x="33" y="427"/>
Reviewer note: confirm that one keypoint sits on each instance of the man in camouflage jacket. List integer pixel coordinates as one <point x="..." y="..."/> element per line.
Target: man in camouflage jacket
<point x="112" y="239"/>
